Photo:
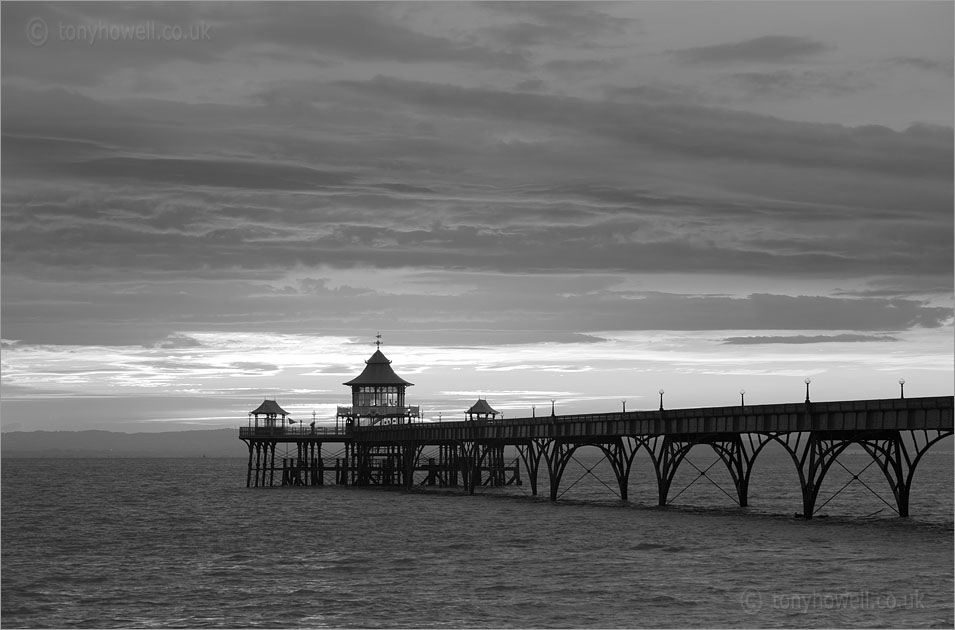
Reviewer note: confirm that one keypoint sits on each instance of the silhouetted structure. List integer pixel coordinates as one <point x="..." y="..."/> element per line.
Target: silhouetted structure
<point x="378" y="394"/>
<point x="481" y="411"/>
<point x="388" y="449"/>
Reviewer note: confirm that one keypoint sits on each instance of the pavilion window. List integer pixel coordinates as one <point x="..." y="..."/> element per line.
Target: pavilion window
<point x="379" y="396"/>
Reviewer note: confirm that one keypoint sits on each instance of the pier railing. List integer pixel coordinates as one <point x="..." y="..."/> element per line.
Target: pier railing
<point x="859" y="415"/>
<point x="294" y="432"/>
<point x="380" y="411"/>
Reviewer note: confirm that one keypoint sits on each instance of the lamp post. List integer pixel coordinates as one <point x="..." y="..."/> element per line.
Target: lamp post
<point x="661" y="400"/>
<point x="533" y="411"/>
<point x="742" y="398"/>
<point x="807" y="381"/>
<point x="552" y="401"/>
<point x="624" y="403"/>
<point x="902" y="388"/>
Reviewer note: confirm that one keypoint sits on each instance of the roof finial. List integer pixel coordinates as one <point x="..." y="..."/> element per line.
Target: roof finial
<point x="378" y="341"/>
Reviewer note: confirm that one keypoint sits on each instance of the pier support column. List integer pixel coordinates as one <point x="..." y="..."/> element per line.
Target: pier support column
<point x="739" y="452"/>
<point x="248" y="476"/>
<point x="736" y="451"/>
<point x="619" y="452"/>
<point x="669" y="453"/>
<point x="557" y="455"/>
<point x="258" y="462"/>
<point x="466" y="464"/>
<point x="530" y="453"/>
<point x="489" y="457"/>
<point x="321" y="466"/>
<point x="410" y="452"/>
<point x="815" y="455"/>
<point x="898" y="462"/>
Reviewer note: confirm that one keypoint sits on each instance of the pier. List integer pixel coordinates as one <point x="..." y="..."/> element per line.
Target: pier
<point x="381" y="442"/>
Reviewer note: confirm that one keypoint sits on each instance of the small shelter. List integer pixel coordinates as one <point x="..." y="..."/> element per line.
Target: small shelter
<point x="481" y="411"/>
<point x="273" y="415"/>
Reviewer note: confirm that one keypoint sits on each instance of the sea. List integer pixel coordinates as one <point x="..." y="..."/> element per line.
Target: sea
<point x="183" y="543"/>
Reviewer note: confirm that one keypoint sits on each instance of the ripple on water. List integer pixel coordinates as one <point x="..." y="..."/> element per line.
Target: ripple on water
<point x="139" y="543"/>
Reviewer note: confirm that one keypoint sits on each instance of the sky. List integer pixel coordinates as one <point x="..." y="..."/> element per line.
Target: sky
<point x="206" y="205"/>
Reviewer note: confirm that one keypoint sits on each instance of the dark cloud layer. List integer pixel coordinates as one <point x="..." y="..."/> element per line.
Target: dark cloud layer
<point x="788" y="83"/>
<point x="690" y="131"/>
<point x="769" y="48"/>
<point x="945" y="67"/>
<point x="226" y="184"/>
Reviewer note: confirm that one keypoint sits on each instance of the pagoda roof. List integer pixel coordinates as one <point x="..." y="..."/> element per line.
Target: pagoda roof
<point x="269" y="406"/>
<point x="481" y="406"/>
<point x="378" y="372"/>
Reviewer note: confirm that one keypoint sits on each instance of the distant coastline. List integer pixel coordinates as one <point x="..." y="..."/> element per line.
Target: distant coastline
<point x="94" y="443"/>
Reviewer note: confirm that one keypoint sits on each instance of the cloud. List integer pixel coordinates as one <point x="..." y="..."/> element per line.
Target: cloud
<point x="549" y="23"/>
<point x="689" y="131"/>
<point x="582" y="68"/>
<point x="253" y="367"/>
<point x="944" y="67"/>
<point x="769" y="48"/>
<point x="470" y="308"/>
<point x="316" y="33"/>
<point x="256" y="175"/>
<point x="788" y="83"/>
<point x="543" y="177"/>
<point x="802" y="339"/>
<point x="368" y="31"/>
<point x="177" y="340"/>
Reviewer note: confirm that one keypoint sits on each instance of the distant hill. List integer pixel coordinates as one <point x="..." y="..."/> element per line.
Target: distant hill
<point x="73" y="444"/>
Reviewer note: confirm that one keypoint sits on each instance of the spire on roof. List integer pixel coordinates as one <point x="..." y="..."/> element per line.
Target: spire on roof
<point x="378" y="370"/>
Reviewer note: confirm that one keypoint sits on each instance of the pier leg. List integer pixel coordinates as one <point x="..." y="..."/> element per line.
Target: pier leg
<point x="516" y="477"/>
<point x="454" y="464"/>
<point x="248" y="476"/>
<point x="738" y="455"/>
<point x="557" y="455"/>
<point x="411" y="454"/>
<point x="820" y="458"/>
<point x="259" y="465"/>
<point x="621" y="454"/>
<point x="898" y="462"/>
<point x="272" y="465"/>
<point x="530" y="453"/>
<point x="813" y="457"/>
<point x="666" y="462"/>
